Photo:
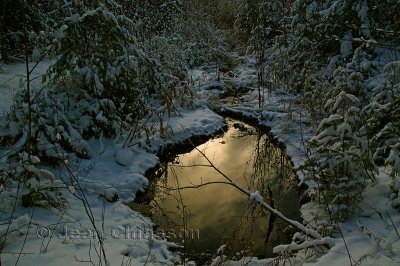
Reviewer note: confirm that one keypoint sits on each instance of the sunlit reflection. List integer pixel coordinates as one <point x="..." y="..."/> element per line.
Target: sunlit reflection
<point x="220" y="212"/>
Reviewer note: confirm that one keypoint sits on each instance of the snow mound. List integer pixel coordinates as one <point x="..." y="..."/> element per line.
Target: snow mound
<point x="124" y="156"/>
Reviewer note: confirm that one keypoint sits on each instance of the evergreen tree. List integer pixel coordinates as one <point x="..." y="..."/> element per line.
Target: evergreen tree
<point x="18" y="18"/>
<point x="384" y="110"/>
<point x="341" y="156"/>
<point x="98" y="53"/>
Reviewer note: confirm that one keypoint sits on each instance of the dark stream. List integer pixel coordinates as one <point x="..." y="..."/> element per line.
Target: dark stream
<point x="203" y="219"/>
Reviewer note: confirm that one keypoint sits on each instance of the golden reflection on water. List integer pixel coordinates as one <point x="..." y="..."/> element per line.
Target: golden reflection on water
<point x="220" y="212"/>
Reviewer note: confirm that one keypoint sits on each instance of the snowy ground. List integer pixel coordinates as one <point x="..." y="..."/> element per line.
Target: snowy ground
<point x="370" y="238"/>
<point x="67" y="236"/>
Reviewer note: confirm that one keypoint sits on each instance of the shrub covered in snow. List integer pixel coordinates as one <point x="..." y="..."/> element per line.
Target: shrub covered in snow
<point x="100" y="58"/>
<point x="53" y="131"/>
<point x="384" y="110"/>
<point x="342" y="156"/>
<point x="38" y="184"/>
<point x="17" y="20"/>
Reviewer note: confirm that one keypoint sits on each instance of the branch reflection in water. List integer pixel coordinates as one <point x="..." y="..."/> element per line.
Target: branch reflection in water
<point x="190" y="194"/>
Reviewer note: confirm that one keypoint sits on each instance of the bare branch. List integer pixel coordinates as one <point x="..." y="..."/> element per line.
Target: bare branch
<point x="198" y="186"/>
<point x="308" y="231"/>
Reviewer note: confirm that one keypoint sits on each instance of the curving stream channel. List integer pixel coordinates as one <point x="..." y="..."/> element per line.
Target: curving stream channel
<point x="202" y="219"/>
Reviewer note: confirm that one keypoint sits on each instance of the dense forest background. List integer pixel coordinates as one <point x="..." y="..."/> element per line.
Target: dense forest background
<point x="117" y="61"/>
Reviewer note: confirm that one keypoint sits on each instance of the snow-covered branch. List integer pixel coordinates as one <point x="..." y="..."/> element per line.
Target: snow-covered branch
<point x="257" y="198"/>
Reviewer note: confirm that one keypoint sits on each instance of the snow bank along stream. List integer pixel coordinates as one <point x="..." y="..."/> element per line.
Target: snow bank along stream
<point x="203" y="219"/>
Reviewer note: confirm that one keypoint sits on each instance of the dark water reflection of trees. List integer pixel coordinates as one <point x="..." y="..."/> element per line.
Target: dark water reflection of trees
<point x="220" y="213"/>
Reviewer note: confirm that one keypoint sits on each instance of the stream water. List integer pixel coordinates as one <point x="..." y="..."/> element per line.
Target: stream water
<point x="202" y="219"/>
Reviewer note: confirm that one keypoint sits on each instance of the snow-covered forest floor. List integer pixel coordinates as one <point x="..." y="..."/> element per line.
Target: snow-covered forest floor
<point x="47" y="236"/>
<point x="96" y="189"/>
<point x="371" y="237"/>
<point x="92" y="91"/>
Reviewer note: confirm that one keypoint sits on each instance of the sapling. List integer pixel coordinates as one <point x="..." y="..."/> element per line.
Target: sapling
<point x="339" y="156"/>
